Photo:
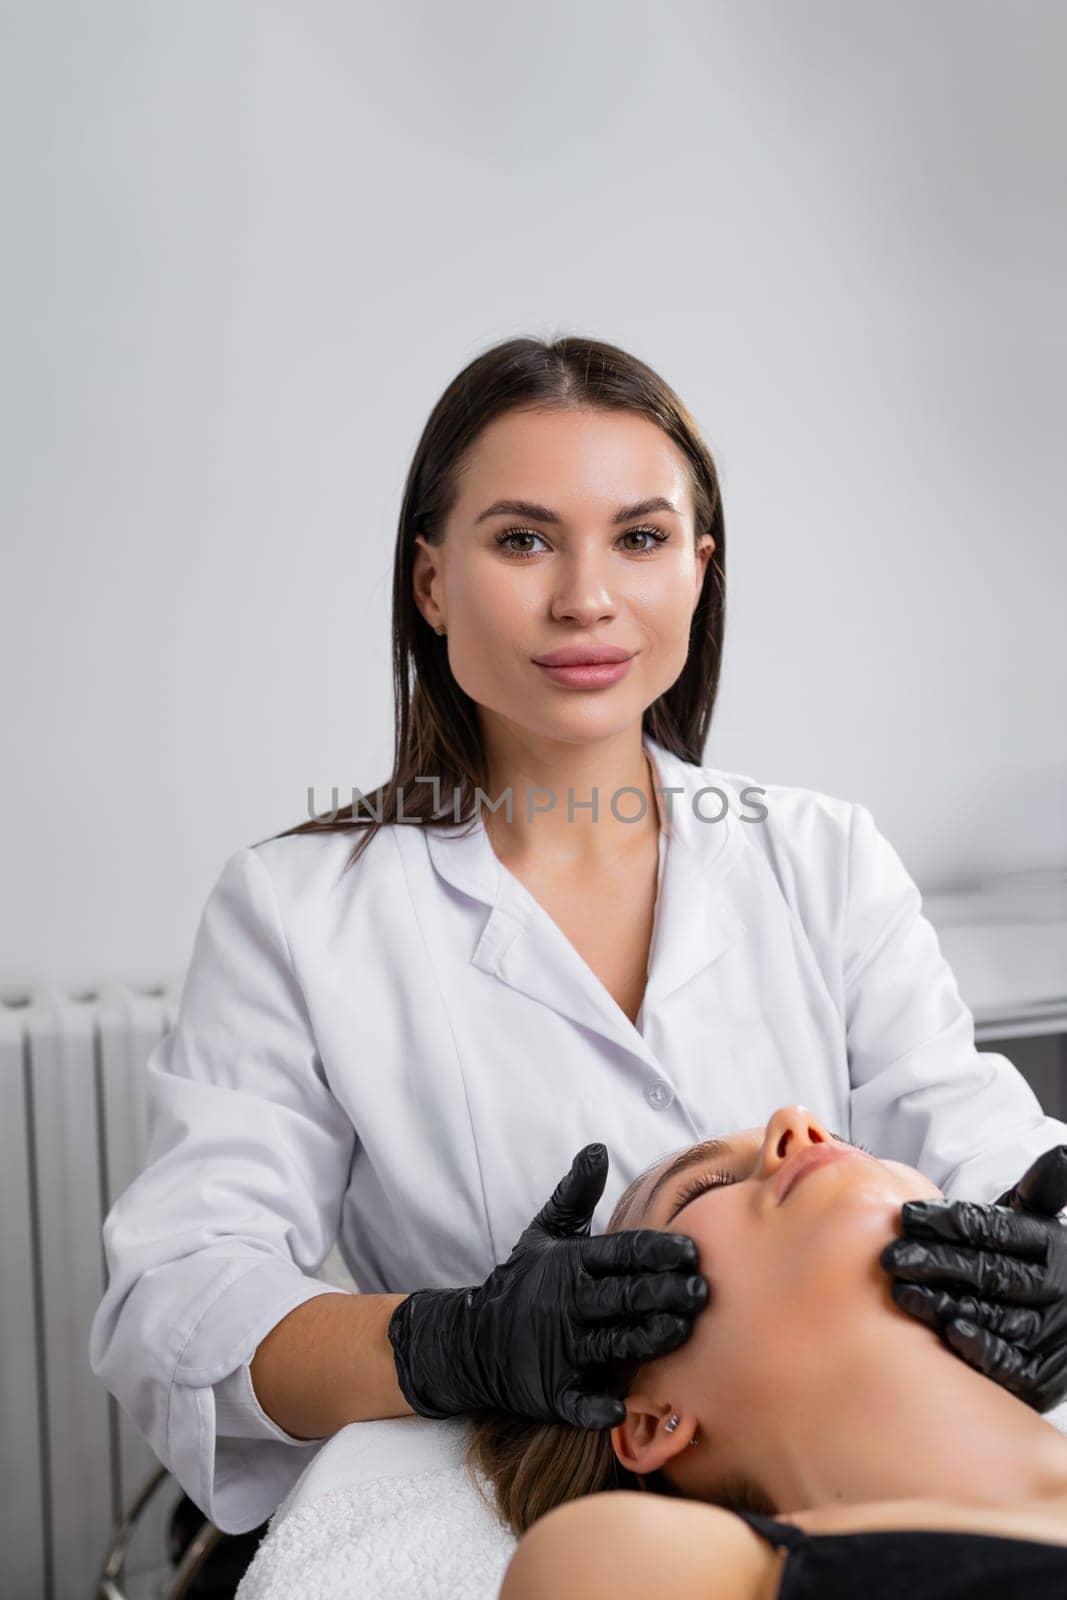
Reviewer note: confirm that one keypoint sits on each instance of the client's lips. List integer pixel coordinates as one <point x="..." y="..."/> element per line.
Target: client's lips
<point x="806" y="1160"/>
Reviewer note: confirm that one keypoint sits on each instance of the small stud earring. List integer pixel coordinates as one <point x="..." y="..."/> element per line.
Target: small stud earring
<point x="672" y="1422"/>
<point x="439" y="630"/>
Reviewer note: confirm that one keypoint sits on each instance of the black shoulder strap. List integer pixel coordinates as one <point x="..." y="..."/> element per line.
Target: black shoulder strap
<point x="778" y="1533"/>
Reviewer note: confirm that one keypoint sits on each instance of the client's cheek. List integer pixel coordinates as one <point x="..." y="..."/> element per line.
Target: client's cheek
<point x="748" y="1355"/>
<point x="745" y="1306"/>
<point x="832" y="1267"/>
<point x="913" y="1185"/>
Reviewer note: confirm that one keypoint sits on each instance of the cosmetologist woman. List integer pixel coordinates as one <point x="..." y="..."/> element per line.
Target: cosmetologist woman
<point x="397" y="1034"/>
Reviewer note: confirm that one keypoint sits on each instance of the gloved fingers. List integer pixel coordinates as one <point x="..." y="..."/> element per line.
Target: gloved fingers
<point x="971" y="1223"/>
<point x="639" y="1341"/>
<point x="986" y="1272"/>
<point x="1043" y="1186"/>
<point x="592" y="1411"/>
<point x="633" y="1295"/>
<point x="1005" y="1363"/>
<point x="1051" y="1380"/>
<point x="638" y="1250"/>
<point x="920" y="1302"/>
<point x="937" y="1308"/>
<point x="569" y="1209"/>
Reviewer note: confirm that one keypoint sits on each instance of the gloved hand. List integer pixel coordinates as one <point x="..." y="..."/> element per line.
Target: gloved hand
<point x="538" y="1337"/>
<point x="1012" y="1258"/>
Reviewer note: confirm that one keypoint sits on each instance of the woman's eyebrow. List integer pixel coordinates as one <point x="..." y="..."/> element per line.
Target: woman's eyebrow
<point x="536" y="513"/>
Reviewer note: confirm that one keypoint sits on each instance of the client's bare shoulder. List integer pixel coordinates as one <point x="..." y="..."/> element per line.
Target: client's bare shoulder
<point x="624" y="1545"/>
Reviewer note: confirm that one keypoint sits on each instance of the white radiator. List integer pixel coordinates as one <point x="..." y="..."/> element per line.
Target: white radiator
<point x="72" y="1136"/>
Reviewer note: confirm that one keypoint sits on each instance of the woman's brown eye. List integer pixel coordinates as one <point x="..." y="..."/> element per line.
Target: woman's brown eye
<point x="651" y="533"/>
<point x="504" y="541"/>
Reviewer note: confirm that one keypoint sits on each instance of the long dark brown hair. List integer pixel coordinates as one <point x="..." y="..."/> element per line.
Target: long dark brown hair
<point x="436" y="727"/>
<point x="523" y="1468"/>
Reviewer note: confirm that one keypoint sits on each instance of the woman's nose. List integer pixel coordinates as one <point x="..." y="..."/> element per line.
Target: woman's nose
<point x="790" y="1128"/>
<point x="584" y="599"/>
<point x="585" y="585"/>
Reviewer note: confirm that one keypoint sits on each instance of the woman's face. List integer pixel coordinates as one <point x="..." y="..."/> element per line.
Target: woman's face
<point x="573" y="571"/>
<point x="789" y="1246"/>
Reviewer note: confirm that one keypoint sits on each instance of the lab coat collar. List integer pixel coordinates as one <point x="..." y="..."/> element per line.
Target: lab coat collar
<point x="695" y="922"/>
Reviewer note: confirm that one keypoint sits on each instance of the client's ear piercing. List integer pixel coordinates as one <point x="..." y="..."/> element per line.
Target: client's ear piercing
<point x="439" y="630"/>
<point x="672" y="1422"/>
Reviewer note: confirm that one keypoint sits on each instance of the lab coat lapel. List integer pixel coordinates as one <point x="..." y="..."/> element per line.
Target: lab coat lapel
<point x="524" y="947"/>
<point x="521" y="944"/>
<point x="696" y="916"/>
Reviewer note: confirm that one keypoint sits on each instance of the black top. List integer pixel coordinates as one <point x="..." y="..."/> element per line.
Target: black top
<point x="916" y="1563"/>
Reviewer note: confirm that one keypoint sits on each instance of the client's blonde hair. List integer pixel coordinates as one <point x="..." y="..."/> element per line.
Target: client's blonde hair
<point x="533" y="1466"/>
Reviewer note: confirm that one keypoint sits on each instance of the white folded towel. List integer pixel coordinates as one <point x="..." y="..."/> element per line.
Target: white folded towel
<point x="387" y="1509"/>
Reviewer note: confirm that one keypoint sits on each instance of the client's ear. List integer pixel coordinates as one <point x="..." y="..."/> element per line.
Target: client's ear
<point x="642" y="1442"/>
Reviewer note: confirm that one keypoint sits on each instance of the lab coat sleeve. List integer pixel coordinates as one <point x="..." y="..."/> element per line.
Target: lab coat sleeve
<point x="215" y="1240"/>
<point x="921" y="1091"/>
<point x="238" y="1413"/>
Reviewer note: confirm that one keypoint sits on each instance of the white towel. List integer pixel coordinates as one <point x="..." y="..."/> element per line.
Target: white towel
<point x="387" y="1509"/>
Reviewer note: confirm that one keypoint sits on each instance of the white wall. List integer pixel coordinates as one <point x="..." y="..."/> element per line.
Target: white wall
<point x="247" y="244"/>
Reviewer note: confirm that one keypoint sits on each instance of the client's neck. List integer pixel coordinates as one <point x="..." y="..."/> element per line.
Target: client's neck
<point x="897" y="1415"/>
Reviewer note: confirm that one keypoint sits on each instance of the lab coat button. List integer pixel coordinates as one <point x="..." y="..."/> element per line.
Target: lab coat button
<point x="659" y="1095"/>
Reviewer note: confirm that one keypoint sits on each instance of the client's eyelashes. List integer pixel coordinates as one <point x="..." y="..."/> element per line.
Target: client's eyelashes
<point x="853" y="1142"/>
<point x="707" y="1180"/>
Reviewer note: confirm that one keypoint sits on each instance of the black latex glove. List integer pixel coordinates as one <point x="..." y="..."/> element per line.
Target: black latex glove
<point x="539" y="1337"/>
<point x="992" y="1279"/>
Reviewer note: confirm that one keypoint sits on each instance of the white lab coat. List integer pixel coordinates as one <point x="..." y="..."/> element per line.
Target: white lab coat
<point x="408" y="1058"/>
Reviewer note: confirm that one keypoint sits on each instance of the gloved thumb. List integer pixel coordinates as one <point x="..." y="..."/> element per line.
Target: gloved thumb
<point x="1042" y="1189"/>
<point x="568" y="1211"/>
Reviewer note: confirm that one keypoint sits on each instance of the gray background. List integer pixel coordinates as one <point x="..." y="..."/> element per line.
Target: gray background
<point x="247" y="245"/>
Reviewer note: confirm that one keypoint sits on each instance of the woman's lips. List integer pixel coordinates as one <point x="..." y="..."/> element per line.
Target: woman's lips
<point x="805" y="1161"/>
<point x="589" y="676"/>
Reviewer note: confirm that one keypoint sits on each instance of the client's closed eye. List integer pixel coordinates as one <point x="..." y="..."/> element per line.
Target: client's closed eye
<point x="707" y="1180"/>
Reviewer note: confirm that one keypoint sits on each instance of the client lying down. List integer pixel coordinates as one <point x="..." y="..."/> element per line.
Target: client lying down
<point x="810" y="1438"/>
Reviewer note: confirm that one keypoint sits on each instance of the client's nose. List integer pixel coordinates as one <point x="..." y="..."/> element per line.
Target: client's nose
<point x="790" y="1128"/>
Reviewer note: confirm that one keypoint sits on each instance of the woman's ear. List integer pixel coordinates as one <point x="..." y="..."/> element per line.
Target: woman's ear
<point x="704" y="554"/>
<point x="425" y="581"/>
<point x="642" y="1442"/>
